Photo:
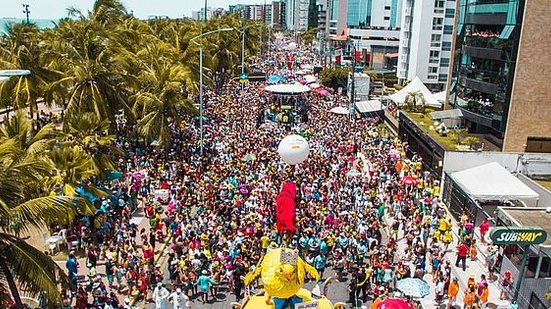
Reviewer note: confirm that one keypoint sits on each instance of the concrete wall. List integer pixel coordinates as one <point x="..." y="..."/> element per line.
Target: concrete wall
<point x="530" y="110"/>
<point x="545" y="195"/>
<point x="529" y="164"/>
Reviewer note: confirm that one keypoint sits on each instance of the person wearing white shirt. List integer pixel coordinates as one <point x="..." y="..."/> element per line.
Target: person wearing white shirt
<point x="179" y="300"/>
<point x="160" y="296"/>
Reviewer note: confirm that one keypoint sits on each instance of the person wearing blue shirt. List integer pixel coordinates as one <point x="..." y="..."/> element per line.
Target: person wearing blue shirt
<point x="343" y="241"/>
<point x="319" y="263"/>
<point x="72" y="267"/>
<point x="204" y="282"/>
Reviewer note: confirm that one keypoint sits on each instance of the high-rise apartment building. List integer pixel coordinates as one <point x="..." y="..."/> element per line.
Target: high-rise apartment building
<point x="370" y="14"/>
<point x="501" y="71"/>
<point x="425" y="41"/>
<point x="337" y="13"/>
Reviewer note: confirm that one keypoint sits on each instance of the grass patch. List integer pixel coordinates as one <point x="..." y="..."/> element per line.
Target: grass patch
<point x="544" y="183"/>
<point x="425" y="121"/>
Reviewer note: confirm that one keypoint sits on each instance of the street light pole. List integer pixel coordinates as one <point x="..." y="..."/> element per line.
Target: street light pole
<point x="201" y="81"/>
<point x="26" y="12"/>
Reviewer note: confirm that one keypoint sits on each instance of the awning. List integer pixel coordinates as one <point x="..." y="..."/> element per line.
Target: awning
<point x="492" y="182"/>
<point x="369" y="106"/>
<point x="447" y="114"/>
<point x="392" y="55"/>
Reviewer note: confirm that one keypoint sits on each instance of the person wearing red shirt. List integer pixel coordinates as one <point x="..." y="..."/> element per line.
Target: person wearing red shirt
<point x="462" y="251"/>
<point x="148" y="253"/>
<point x="484" y="227"/>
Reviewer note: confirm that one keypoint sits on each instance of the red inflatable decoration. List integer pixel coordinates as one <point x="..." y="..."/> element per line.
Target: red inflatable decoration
<point x="285" y="209"/>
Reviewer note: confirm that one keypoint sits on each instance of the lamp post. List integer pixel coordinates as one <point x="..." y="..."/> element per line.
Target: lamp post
<point x="26" y="12"/>
<point x="242" y="32"/>
<point x="201" y="80"/>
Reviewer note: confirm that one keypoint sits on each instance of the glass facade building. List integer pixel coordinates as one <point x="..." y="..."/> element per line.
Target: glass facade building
<point x="485" y="53"/>
<point x="358" y="11"/>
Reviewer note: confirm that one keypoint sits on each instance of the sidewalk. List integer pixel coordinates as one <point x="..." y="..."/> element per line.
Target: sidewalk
<point x="473" y="267"/>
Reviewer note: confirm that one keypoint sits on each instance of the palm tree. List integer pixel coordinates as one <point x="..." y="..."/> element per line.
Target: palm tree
<point x="92" y="81"/>
<point x="91" y="136"/>
<point x="21" y="49"/>
<point x="25" y="204"/>
<point x="161" y="103"/>
<point x="415" y="101"/>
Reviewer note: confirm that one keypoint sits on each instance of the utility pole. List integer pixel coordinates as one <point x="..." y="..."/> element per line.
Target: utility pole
<point x="352" y="107"/>
<point x="26" y="12"/>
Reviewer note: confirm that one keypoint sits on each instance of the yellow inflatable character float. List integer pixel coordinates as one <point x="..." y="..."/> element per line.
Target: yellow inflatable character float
<point x="283" y="272"/>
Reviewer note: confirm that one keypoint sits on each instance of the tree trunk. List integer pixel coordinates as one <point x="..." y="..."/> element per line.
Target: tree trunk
<point x="11" y="283"/>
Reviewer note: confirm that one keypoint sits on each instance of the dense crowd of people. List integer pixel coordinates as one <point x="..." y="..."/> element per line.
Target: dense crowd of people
<point x="365" y="212"/>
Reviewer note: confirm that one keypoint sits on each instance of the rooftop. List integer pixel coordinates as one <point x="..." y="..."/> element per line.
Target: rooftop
<point x="528" y="217"/>
<point x="453" y="141"/>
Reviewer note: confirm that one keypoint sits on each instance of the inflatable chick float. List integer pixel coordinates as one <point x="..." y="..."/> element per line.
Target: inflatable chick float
<point x="282" y="272"/>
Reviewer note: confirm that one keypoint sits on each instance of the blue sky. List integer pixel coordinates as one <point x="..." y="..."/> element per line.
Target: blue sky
<point x="53" y="9"/>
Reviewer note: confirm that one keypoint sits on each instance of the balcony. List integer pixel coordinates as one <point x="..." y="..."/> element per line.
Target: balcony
<point x="407" y="12"/>
<point x="478" y="85"/>
<point x="484" y="53"/>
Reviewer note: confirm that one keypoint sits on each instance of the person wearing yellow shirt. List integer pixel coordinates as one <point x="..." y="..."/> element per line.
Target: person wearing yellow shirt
<point x="264" y="242"/>
<point x="442" y="225"/>
<point x="447" y="238"/>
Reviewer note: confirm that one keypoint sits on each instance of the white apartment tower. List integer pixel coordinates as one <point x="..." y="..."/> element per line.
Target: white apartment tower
<point x="426" y="41"/>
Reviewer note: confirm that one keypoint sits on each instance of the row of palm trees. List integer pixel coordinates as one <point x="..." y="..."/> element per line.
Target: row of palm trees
<point x="93" y="65"/>
<point x="107" y="61"/>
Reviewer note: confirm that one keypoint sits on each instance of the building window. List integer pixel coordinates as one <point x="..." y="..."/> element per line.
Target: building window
<point x="387" y="7"/>
<point x="446" y="46"/>
<point x="435" y="38"/>
<point x="433" y="70"/>
<point x="439" y="4"/>
<point x="437" y="21"/>
<point x="450" y="13"/>
<point x="444" y="62"/>
<point x="448" y="29"/>
<point x="442" y="77"/>
<point x="434" y="54"/>
<point x="386" y="18"/>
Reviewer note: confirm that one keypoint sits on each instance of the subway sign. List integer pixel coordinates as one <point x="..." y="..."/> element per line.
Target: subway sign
<point x="518" y="235"/>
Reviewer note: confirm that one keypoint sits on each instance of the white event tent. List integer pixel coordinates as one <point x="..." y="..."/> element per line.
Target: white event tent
<point x="369" y="106"/>
<point x="493" y="182"/>
<point x="415" y="85"/>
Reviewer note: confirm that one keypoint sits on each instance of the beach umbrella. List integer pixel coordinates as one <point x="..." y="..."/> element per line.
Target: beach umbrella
<point x="394" y="303"/>
<point x="410" y="180"/>
<point x="414" y="287"/>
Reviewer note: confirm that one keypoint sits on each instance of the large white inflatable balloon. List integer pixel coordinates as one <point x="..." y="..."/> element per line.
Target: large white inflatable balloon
<point x="293" y="149"/>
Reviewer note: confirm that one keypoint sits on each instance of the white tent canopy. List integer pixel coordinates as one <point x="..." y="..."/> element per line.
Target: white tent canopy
<point x="369" y="106"/>
<point x="339" y="110"/>
<point x="415" y="85"/>
<point x="287" y="89"/>
<point x="440" y="96"/>
<point x="492" y="182"/>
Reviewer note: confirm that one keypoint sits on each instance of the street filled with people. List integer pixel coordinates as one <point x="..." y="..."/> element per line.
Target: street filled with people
<point x="367" y="212"/>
